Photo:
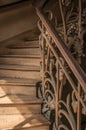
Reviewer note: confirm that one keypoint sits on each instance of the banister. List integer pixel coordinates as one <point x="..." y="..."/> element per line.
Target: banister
<point x="40" y="4"/>
<point x="74" y="66"/>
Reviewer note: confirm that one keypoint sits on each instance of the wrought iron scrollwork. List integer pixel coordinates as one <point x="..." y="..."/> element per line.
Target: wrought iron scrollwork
<point x="64" y="96"/>
<point x="70" y="23"/>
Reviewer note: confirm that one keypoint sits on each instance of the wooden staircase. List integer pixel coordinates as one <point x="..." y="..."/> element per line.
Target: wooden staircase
<point x="20" y="109"/>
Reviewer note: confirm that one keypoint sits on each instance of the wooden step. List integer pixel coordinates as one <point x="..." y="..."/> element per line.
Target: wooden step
<point x="23" y="122"/>
<point x="18" y="81"/>
<point x="13" y="109"/>
<point x="24" y="44"/>
<point x="18" y="86"/>
<point x="18" y="99"/>
<point x="19" y="104"/>
<point x="22" y="51"/>
<point x="18" y="89"/>
<point x="36" y="127"/>
<point x="20" y="56"/>
<point x="20" y="67"/>
<point x="19" y="74"/>
<point x="20" y="59"/>
<point x="43" y="126"/>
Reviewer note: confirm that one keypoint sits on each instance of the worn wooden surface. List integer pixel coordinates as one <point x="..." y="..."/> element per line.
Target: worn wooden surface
<point x="19" y="73"/>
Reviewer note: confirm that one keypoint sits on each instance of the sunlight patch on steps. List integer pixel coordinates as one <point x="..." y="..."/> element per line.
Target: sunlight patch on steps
<point x="8" y="121"/>
<point x="8" y="98"/>
<point x="13" y="121"/>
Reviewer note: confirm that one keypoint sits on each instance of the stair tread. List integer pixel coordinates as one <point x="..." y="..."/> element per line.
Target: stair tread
<point x="22" y="51"/>
<point x="24" y="44"/>
<point x="21" y="56"/>
<point x="22" y="121"/>
<point x="19" y="60"/>
<point x="17" y="81"/>
<point x="12" y="99"/>
<point x="19" y="67"/>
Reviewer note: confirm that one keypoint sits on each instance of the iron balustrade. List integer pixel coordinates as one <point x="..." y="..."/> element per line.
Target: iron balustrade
<point x="63" y="86"/>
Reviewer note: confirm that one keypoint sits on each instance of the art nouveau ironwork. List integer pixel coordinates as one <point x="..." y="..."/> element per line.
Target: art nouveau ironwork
<point x="68" y="18"/>
<point x="63" y="86"/>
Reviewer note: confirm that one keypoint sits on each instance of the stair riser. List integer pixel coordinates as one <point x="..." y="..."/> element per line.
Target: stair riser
<point x="20" y="61"/>
<point x="18" y="90"/>
<point x="25" y="51"/>
<point x="20" y="74"/>
<point x="20" y="109"/>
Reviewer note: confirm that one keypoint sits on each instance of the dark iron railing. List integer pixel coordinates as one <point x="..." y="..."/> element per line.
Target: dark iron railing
<point x="63" y="81"/>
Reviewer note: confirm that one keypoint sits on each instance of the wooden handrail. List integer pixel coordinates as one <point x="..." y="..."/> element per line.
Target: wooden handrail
<point x="74" y="66"/>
